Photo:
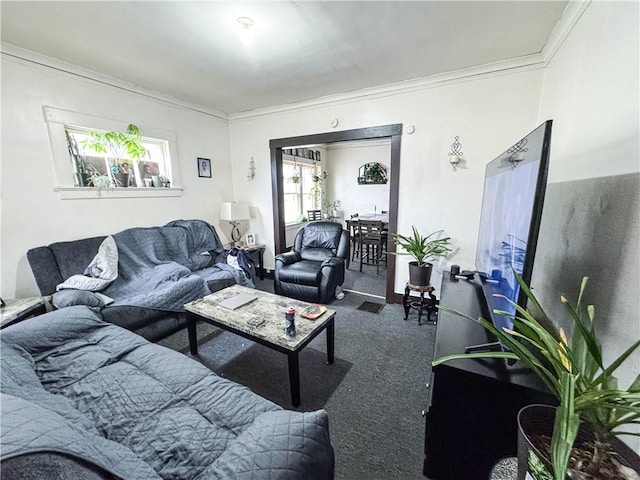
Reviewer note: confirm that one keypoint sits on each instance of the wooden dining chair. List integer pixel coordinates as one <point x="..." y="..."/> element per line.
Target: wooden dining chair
<point x="371" y="240"/>
<point x="313" y="215"/>
<point x="352" y="228"/>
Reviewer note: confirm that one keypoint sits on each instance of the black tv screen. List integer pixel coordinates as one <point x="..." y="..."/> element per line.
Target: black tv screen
<point x="514" y="188"/>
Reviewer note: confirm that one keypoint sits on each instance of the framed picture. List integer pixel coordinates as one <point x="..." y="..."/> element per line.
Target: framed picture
<point x="251" y="239"/>
<point x="204" y="167"/>
<point x="146" y="172"/>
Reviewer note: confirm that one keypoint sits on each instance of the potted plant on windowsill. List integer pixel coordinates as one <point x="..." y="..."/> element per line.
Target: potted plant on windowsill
<point x="587" y="391"/>
<point x="423" y="250"/>
<point x="116" y="145"/>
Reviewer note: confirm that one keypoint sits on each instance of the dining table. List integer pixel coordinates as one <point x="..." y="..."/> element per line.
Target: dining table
<point x="383" y="217"/>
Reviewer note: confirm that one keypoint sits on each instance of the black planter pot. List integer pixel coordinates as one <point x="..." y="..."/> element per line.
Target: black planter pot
<point x="538" y="420"/>
<point x="420" y="276"/>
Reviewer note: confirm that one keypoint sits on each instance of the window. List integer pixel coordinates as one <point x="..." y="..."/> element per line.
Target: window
<point x="152" y="170"/>
<point x="300" y="193"/>
<point x="68" y="132"/>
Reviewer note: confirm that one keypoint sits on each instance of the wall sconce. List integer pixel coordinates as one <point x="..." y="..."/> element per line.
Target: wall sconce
<point x="234" y="212"/>
<point x="251" y="174"/>
<point x="455" y="154"/>
<point x="516" y="153"/>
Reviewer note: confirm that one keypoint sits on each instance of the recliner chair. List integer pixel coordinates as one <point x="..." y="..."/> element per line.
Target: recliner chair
<point x="315" y="266"/>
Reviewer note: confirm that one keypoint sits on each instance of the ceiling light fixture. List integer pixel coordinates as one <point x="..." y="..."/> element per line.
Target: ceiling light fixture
<point x="245" y="22"/>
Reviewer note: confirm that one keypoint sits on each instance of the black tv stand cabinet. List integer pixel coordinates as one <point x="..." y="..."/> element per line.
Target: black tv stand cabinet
<point x="472" y="405"/>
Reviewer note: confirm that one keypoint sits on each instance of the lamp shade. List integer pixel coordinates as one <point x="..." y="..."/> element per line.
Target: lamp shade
<point x="234" y="211"/>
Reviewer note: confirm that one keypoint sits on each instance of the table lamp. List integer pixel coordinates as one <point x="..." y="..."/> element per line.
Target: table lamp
<point x="234" y="212"/>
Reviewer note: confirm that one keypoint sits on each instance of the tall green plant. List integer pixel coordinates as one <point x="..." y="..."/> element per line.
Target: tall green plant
<point x="117" y="144"/>
<point x="422" y="249"/>
<point x="573" y="371"/>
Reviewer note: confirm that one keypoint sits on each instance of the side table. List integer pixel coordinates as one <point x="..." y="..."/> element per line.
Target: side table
<point x="256" y="252"/>
<point x="18" y="309"/>
<point x="423" y="303"/>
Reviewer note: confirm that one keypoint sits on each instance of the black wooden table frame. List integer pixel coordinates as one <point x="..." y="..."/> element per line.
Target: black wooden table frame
<point x="420" y="304"/>
<point x="292" y="355"/>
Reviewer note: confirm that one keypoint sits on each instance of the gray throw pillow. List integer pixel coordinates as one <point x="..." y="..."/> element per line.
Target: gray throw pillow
<point x="283" y="444"/>
<point x="69" y="298"/>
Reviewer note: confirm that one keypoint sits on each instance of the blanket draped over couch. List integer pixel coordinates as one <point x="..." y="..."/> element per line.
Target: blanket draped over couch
<point x="163" y="267"/>
<point x="150" y="257"/>
<point x="74" y="384"/>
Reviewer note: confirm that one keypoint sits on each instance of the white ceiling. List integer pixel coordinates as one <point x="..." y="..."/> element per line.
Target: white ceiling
<point x="301" y="50"/>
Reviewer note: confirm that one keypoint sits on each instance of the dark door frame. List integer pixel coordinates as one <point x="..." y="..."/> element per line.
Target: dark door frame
<point x="392" y="131"/>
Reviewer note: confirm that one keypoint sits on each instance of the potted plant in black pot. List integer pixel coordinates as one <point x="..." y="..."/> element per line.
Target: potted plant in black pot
<point x="423" y="250"/>
<point x="116" y="145"/>
<point x="576" y="440"/>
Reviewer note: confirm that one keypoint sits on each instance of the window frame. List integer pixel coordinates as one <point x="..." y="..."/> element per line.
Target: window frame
<point x="57" y="120"/>
<point x="300" y="163"/>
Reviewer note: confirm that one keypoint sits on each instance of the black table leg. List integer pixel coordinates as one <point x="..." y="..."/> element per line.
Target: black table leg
<point x="193" y="336"/>
<point x="420" y="307"/>
<point x="294" y="378"/>
<point x="330" y="342"/>
<point x="405" y="303"/>
<point x="261" y="263"/>
<point x="431" y="307"/>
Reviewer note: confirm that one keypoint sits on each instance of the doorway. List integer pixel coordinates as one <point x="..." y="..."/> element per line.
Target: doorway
<point x="392" y="132"/>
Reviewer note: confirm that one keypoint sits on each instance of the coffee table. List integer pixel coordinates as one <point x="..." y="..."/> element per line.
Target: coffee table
<point x="271" y="308"/>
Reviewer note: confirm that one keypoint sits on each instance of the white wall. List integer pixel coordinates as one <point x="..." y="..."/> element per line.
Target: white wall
<point x="487" y="114"/>
<point x="33" y="214"/>
<point x="342" y="166"/>
<point x="591" y="216"/>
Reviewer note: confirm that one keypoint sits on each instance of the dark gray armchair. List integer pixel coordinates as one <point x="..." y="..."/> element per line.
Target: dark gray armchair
<point x="315" y="266"/>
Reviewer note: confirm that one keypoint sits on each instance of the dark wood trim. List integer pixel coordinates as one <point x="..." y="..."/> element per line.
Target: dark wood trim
<point x="381" y="131"/>
<point x="278" y="204"/>
<point x="392" y="131"/>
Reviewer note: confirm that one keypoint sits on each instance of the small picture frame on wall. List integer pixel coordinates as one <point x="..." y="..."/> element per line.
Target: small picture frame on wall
<point x="204" y="167"/>
<point x="251" y="239"/>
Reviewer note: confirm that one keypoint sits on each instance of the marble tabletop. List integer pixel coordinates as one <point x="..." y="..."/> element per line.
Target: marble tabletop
<point x="18" y="307"/>
<point x="267" y="307"/>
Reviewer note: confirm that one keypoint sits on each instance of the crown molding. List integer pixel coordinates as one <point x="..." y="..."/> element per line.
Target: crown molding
<point x="50" y="63"/>
<point x="563" y="28"/>
<point x="529" y="62"/>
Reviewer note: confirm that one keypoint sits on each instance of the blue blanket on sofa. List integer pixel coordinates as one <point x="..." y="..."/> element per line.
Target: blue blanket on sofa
<point x="156" y="265"/>
<point x="76" y="385"/>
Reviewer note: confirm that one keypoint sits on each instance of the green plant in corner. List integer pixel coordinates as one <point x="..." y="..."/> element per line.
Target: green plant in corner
<point x="330" y="207"/>
<point x="573" y="371"/>
<point x="422" y="249"/>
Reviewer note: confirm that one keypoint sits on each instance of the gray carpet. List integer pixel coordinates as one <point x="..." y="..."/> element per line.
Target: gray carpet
<point x="374" y="392"/>
<point x="367" y="281"/>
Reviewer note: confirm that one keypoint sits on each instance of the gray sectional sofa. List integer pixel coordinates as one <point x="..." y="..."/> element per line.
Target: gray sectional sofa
<point x="82" y="398"/>
<point x="159" y="270"/>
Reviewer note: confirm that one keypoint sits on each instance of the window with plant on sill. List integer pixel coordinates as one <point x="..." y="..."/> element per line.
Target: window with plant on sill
<point x="301" y="193"/>
<point x="117" y="159"/>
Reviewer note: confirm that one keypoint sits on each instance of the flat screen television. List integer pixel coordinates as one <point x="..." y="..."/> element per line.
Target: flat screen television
<point x="514" y="189"/>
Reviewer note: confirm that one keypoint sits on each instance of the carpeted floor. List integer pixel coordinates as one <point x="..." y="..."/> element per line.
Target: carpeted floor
<point x="366" y="282"/>
<point x="374" y="392"/>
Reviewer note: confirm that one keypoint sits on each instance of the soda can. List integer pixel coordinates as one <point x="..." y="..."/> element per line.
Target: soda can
<point x="289" y="322"/>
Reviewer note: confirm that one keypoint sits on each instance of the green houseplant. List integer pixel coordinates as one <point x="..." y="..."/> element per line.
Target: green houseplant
<point x="423" y="250"/>
<point x="331" y="208"/>
<point x="116" y="145"/>
<point x="574" y="371"/>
